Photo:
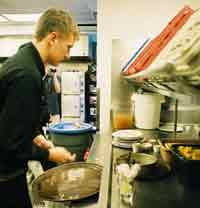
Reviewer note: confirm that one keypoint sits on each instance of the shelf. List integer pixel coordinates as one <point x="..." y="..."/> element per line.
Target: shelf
<point x="92" y="104"/>
<point x="92" y="93"/>
<point x="168" y="79"/>
<point x="176" y="90"/>
<point x="90" y="82"/>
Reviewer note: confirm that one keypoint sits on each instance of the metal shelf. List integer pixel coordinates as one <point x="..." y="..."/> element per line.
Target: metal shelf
<point x="176" y="90"/>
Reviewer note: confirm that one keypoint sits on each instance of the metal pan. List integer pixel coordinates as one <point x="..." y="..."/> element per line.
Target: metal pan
<point x="68" y="182"/>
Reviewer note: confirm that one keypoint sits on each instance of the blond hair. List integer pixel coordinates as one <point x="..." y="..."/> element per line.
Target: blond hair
<point x="55" y="20"/>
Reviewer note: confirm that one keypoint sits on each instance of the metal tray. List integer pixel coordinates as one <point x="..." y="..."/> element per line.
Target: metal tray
<point x="68" y="182"/>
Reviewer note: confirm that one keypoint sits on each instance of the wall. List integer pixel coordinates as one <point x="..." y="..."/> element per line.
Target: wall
<point x="10" y="44"/>
<point x="127" y="19"/>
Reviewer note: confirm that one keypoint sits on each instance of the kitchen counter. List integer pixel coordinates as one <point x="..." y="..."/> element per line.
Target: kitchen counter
<point x="165" y="192"/>
<point x="100" y="153"/>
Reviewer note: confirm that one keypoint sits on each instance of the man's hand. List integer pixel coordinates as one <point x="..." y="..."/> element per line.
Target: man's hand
<point x="42" y="142"/>
<point x="60" y="155"/>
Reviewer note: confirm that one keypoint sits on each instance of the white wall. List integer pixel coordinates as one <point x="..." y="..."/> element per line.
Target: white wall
<point x="127" y="19"/>
<point x="10" y="43"/>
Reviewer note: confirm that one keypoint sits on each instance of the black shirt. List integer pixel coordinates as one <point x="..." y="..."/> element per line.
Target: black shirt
<point x="20" y="109"/>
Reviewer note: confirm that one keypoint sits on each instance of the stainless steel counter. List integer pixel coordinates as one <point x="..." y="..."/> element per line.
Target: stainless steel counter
<point x="162" y="192"/>
<point x="103" y="154"/>
<point x="159" y="192"/>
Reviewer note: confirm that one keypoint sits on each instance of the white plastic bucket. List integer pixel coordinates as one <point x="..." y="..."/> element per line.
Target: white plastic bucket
<point x="147" y="108"/>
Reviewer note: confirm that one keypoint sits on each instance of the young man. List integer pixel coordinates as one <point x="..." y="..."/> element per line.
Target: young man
<point x="21" y="98"/>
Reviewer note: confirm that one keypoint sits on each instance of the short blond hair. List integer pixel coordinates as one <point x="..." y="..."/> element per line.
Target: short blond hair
<point x="55" y="20"/>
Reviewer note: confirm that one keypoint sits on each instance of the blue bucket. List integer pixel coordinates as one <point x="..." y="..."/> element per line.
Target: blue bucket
<point x="74" y="138"/>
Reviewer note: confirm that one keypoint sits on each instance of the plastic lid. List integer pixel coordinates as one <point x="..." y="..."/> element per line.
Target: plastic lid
<point x="70" y="128"/>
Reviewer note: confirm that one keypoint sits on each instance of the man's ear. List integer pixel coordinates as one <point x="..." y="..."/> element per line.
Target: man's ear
<point x="52" y="38"/>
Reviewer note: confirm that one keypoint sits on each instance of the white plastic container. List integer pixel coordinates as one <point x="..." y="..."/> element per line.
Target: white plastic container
<point x="147" y="108"/>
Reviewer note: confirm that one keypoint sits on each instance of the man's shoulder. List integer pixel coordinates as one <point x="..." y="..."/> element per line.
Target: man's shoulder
<point x="10" y="72"/>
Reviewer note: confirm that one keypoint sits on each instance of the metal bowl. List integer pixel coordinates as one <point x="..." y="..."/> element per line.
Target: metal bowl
<point x="146" y="161"/>
<point x="68" y="182"/>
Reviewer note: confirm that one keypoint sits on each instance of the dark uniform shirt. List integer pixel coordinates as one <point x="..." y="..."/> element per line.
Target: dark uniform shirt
<point x="20" y="109"/>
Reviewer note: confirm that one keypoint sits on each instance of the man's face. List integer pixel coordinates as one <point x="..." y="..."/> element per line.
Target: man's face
<point x="60" y="48"/>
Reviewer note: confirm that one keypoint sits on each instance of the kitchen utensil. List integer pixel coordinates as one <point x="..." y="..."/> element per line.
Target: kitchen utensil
<point x="128" y="134"/>
<point x="151" y="167"/>
<point x="125" y="138"/>
<point x="68" y="182"/>
<point x="122" y="145"/>
<point x="144" y="160"/>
